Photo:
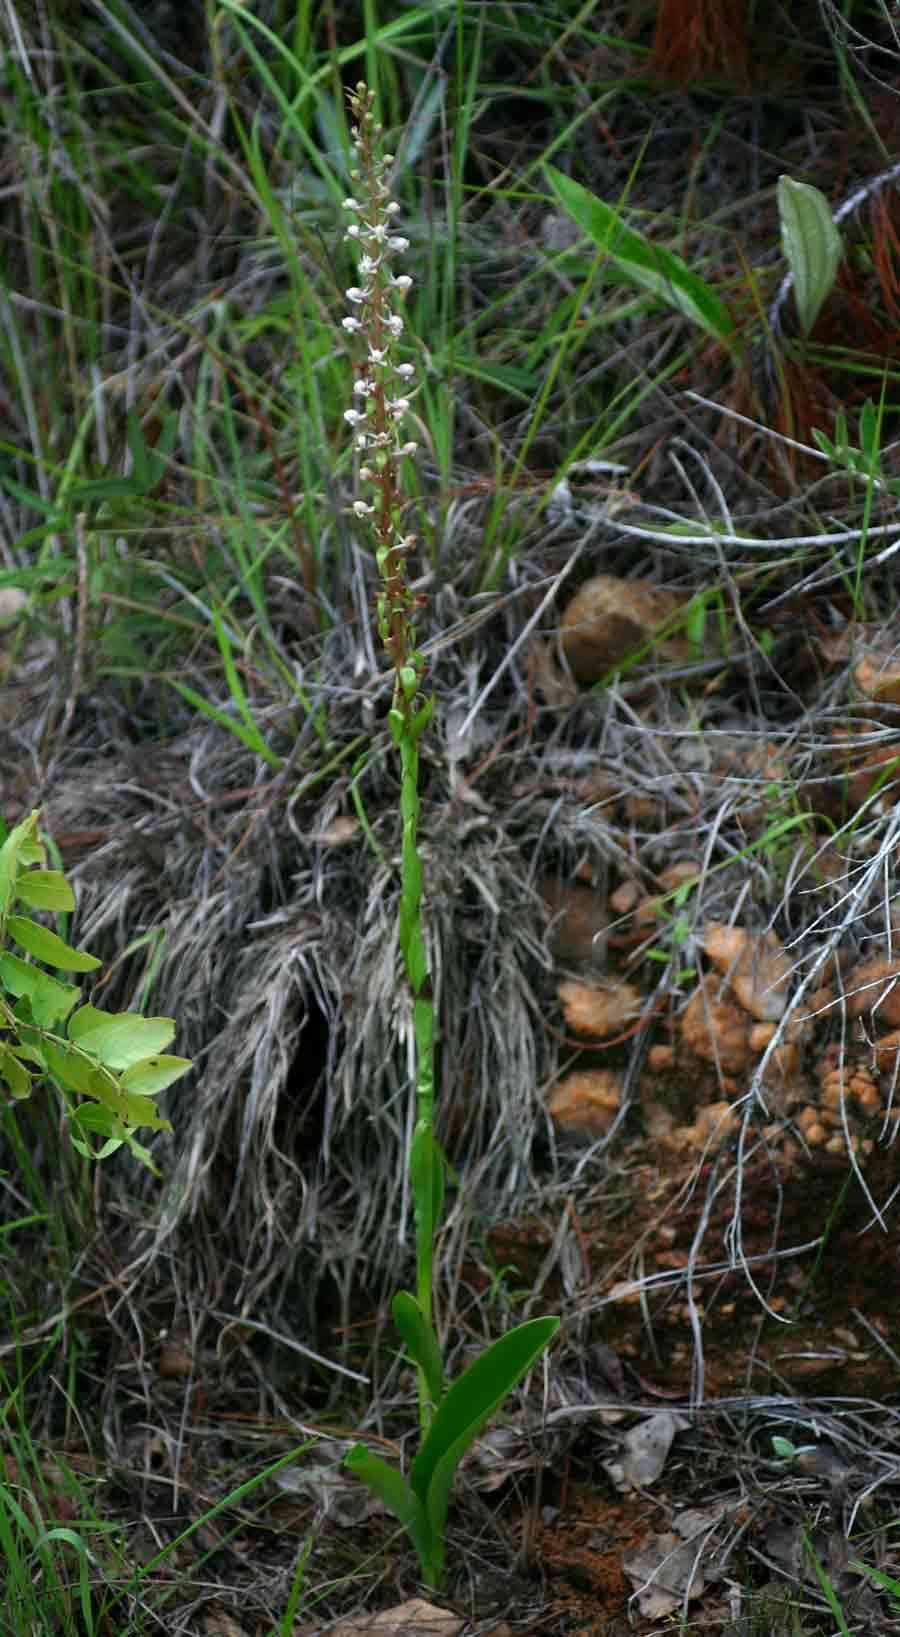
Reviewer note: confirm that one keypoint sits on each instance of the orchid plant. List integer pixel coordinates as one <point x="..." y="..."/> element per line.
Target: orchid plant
<point x="450" y="1418"/>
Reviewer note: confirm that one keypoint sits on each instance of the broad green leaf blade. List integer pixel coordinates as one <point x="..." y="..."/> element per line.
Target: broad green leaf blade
<point x="45" y="889"/>
<point x="421" y="1342"/>
<point x="152" y="1074"/>
<point x="50" y="999"/>
<point x="47" y="947"/>
<point x="649" y="265"/>
<point x="812" y="246"/>
<point x="391" y="1488"/>
<point x="466" y="1407"/>
<point x="120" y="1039"/>
<point x="479" y="1390"/>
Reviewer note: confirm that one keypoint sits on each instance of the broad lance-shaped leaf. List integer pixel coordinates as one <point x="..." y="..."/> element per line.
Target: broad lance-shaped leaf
<point x="391" y="1488"/>
<point x="120" y="1039"/>
<point x="45" y="889"/>
<point x="812" y="246"/>
<point x="47" y="947"/>
<point x="468" y="1404"/>
<point x="421" y="1342"/>
<point x="649" y="265"/>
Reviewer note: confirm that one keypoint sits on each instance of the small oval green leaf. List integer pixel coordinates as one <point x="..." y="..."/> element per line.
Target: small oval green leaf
<point x="812" y="246"/>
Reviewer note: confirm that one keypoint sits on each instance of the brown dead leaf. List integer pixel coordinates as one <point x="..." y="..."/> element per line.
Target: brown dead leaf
<point x="415" y="1618"/>
<point x="342" y="829"/>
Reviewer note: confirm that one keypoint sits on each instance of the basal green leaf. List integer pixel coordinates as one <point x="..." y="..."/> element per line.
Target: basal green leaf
<point x="120" y="1039"/>
<point x="811" y="244"/>
<point x="45" y="889"/>
<point x="46" y="946"/>
<point x="391" y="1488"/>
<point x="468" y="1404"/>
<point x="51" y="999"/>
<point x="421" y="1342"/>
<point x="153" y="1074"/>
<point x="649" y="265"/>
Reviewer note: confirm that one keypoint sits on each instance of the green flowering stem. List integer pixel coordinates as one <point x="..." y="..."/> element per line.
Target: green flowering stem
<point x="450" y="1419"/>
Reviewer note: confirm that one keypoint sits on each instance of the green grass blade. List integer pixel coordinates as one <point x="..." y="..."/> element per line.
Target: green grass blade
<point x="250" y="737"/>
<point x="650" y="265"/>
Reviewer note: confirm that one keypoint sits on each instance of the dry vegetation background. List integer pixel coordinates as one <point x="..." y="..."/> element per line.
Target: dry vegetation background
<point x="659" y="803"/>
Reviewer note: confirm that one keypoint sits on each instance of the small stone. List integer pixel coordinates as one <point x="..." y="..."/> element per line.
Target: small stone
<point x="610" y="619"/>
<point x="875" y="987"/>
<point x="661" y="1058"/>
<point x="675" y="875"/>
<point x="623" y="900"/>
<point x="813" y="1130"/>
<point x="877" y="676"/>
<point x="586" y="1102"/>
<point x="716" y="1031"/>
<point x="599" y="1011"/>
<point x="757" y="968"/>
<point x="716" y="1123"/>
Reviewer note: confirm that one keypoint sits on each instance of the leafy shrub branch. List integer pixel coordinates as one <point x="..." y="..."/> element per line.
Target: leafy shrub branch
<point x="106" y="1066"/>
